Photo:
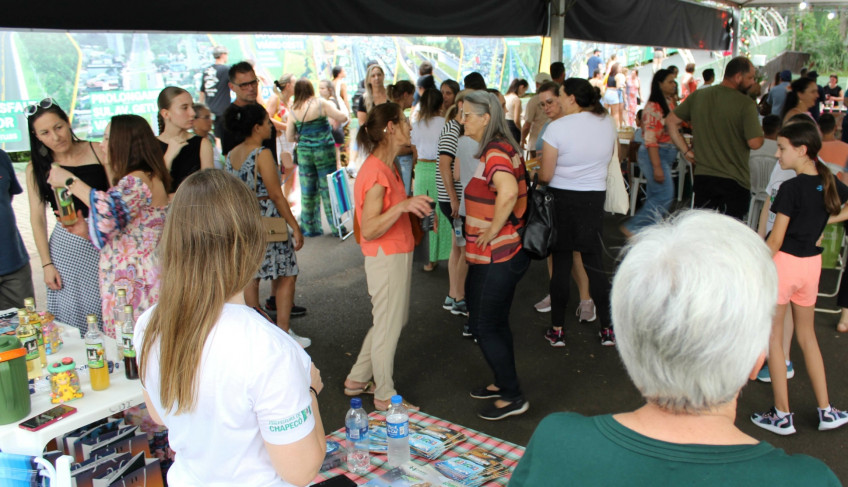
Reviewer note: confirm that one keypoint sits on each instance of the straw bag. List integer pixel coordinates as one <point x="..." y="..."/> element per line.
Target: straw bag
<point x="276" y="228"/>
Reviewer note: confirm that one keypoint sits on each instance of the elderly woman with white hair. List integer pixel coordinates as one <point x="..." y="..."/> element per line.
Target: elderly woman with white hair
<point x="688" y="362"/>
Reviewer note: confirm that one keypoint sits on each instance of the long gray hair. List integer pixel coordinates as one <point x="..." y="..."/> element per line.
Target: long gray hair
<point x="481" y="102"/>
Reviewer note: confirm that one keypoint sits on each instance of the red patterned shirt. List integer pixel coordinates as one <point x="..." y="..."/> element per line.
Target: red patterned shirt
<point x="480" y="197"/>
<point x="653" y="125"/>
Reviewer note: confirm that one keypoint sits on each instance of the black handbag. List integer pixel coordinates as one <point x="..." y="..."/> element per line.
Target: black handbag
<point x="538" y="236"/>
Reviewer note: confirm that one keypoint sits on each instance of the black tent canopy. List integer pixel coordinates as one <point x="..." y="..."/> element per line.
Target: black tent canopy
<point x="656" y="22"/>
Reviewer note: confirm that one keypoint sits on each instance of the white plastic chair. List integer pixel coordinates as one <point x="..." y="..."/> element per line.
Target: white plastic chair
<point x="681" y="170"/>
<point x="760" y="168"/>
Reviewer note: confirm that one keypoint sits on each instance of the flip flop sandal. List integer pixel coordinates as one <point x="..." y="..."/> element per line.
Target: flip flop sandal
<point x="408" y="406"/>
<point x="368" y="388"/>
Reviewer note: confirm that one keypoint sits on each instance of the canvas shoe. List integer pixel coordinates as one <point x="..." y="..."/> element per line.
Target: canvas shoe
<point x="556" y="337"/>
<point x="544" y="306"/>
<point x="494" y="413"/>
<point x="764" y="376"/>
<point x="586" y="311"/>
<point x="607" y="337"/>
<point x="448" y="305"/>
<point x="832" y="419"/>
<point x="770" y="421"/>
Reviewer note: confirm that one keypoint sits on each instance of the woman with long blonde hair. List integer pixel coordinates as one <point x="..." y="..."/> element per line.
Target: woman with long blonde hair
<point x="231" y="368"/>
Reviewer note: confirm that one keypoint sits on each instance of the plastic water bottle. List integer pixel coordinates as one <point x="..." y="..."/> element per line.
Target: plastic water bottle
<point x="397" y="430"/>
<point x="356" y="431"/>
<point x="457" y="231"/>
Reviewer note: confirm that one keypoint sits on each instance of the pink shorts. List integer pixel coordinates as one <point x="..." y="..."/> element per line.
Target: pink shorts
<point x="797" y="278"/>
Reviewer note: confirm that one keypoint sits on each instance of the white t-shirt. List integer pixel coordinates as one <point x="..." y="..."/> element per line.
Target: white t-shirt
<point x="584" y="143"/>
<point x="466" y="149"/>
<point x="425" y="137"/>
<point x="769" y="148"/>
<point x="253" y="385"/>
<point x="778" y="177"/>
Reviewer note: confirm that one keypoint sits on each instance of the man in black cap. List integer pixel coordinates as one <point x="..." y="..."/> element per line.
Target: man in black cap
<point x="214" y="91"/>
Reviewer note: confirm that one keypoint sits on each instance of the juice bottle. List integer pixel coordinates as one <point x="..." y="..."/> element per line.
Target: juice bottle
<point x="118" y="318"/>
<point x="65" y="202"/>
<point x="130" y="365"/>
<point x="35" y="321"/>
<point x="96" y="355"/>
<point x="26" y="334"/>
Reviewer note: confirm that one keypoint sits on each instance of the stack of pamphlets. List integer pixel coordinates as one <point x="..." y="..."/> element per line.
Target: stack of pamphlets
<point x="432" y="441"/>
<point x="412" y="475"/>
<point x="473" y="468"/>
<point x="379" y="440"/>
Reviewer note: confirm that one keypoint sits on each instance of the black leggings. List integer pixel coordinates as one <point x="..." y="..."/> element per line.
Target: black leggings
<point x="599" y="285"/>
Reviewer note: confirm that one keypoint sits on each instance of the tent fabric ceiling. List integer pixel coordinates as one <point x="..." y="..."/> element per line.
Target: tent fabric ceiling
<point x="672" y="23"/>
<point x="408" y="17"/>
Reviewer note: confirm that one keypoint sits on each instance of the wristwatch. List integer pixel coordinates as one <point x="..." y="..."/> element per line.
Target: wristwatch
<point x="70" y="181"/>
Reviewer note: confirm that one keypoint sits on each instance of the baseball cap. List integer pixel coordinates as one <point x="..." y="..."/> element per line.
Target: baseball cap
<point x="542" y="78"/>
<point x="218" y="50"/>
<point x="786" y="75"/>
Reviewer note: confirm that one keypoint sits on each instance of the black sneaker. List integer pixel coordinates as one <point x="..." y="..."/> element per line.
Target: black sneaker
<point x="484" y="393"/>
<point x="607" y="337"/>
<point x="271" y="305"/>
<point x="494" y="413"/>
<point x="298" y="310"/>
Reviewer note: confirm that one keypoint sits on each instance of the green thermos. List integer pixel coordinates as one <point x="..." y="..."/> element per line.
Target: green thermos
<point x="14" y="386"/>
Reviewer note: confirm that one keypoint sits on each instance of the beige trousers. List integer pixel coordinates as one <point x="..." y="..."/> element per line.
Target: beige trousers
<point x="389" y="278"/>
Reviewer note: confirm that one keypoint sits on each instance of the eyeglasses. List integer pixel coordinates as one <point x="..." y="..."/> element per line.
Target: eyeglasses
<point x="43" y="104"/>
<point x="255" y="82"/>
<point x="207" y="117"/>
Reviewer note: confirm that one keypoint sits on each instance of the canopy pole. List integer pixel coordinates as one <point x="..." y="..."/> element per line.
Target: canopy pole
<point x="737" y="15"/>
<point x="557" y="28"/>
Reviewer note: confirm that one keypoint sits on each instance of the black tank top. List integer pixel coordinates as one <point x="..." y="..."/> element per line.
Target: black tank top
<point x="186" y="163"/>
<point x="93" y="175"/>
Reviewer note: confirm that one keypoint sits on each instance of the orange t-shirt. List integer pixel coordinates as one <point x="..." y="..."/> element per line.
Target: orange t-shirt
<point x="398" y="239"/>
<point x="834" y="152"/>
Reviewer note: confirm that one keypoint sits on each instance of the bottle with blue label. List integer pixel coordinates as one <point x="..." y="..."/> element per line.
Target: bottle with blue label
<point x="356" y="431"/>
<point x="397" y="431"/>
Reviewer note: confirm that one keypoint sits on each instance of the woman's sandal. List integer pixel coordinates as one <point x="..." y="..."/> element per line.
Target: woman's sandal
<point x="381" y="405"/>
<point x="842" y="327"/>
<point x="367" y="388"/>
<point x="430" y="267"/>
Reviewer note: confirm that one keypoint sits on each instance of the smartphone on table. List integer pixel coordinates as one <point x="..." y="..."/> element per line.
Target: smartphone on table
<point x="48" y="417"/>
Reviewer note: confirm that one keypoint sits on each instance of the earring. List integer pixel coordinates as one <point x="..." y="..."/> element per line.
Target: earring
<point x="43" y="151"/>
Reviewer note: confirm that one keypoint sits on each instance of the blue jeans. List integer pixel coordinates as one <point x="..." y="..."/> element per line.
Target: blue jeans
<point x="658" y="195"/>
<point x="489" y="290"/>
<point x="404" y="163"/>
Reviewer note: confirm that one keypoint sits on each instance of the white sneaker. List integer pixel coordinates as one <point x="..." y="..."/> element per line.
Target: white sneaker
<point x="544" y="306"/>
<point x="303" y="341"/>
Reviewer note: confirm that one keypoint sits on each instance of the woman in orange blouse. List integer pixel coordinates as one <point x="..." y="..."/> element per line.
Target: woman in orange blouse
<point x="656" y="155"/>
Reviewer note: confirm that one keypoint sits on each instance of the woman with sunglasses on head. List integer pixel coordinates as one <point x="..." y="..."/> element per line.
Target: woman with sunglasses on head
<point x="69" y="259"/>
<point x="279" y="106"/>
<point x="204" y="120"/>
<point x="185" y="153"/>
<point x="126" y="219"/>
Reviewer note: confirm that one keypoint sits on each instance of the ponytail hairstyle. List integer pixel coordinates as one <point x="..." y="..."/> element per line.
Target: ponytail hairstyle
<point x="396" y="91"/>
<point x="373" y="132"/>
<point x="798" y="86"/>
<point x="165" y="100"/>
<point x="516" y="84"/>
<point x="429" y="105"/>
<point x="807" y="135"/>
<point x="587" y="96"/>
<point x="280" y="85"/>
<point x="241" y="120"/>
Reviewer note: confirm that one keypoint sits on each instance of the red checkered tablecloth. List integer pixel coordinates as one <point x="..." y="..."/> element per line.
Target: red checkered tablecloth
<point x="511" y="452"/>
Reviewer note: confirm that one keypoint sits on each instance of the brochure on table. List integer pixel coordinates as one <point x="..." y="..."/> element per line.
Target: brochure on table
<point x="122" y="394"/>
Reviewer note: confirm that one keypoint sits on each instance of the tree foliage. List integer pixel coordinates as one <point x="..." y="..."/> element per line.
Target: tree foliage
<point x="823" y="39"/>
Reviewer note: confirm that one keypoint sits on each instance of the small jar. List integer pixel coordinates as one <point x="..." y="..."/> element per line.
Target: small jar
<point x="64" y="381"/>
<point x="52" y="333"/>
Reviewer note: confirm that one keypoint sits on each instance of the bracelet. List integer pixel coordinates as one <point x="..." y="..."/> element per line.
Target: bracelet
<point x="314" y="391"/>
<point x="47" y="264"/>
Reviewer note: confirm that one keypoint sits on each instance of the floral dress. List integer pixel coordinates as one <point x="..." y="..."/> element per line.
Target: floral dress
<point x="126" y="228"/>
<point x="279" y="258"/>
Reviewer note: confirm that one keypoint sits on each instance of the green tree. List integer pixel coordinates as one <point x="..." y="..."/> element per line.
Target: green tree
<point x="48" y="57"/>
<point x="824" y="40"/>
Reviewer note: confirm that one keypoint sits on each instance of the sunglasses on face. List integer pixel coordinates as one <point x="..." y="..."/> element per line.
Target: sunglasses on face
<point x="43" y="104"/>
<point x="246" y="84"/>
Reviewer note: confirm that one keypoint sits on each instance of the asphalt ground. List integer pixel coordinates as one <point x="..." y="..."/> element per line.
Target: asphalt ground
<point x="435" y="367"/>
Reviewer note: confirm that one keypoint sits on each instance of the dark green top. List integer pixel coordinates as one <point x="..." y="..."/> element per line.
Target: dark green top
<point x="570" y="449"/>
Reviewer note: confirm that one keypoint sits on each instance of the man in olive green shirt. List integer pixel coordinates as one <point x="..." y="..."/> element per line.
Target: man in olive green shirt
<point x="726" y="128"/>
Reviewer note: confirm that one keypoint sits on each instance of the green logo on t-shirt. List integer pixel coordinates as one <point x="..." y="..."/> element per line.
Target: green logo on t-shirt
<point x="291" y="422"/>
